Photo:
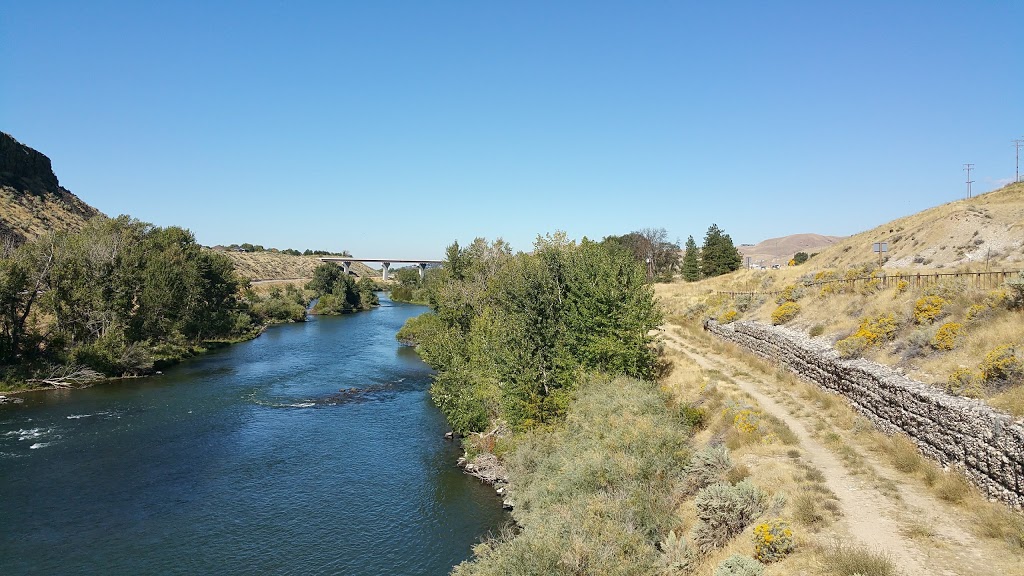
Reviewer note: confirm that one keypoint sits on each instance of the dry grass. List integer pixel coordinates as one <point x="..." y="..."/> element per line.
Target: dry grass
<point x="844" y="560"/>
<point x="261" y="266"/>
<point x="31" y="215"/>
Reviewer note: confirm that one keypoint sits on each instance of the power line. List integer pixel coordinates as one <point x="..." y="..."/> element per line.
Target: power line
<point x="1016" y="144"/>
<point x="968" y="168"/>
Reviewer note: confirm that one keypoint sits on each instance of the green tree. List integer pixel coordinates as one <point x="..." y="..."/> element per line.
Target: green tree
<point x="800" y="257"/>
<point x="509" y="336"/>
<point x="691" y="261"/>
<point x="325" y="277"/>
<point x="718" y="255"/>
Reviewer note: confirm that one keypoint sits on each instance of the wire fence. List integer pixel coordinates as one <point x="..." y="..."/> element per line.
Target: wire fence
<point x="977" y="280"/>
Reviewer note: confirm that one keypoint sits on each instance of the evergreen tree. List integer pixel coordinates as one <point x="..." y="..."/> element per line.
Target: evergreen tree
<point x="719" y="255"/>
<point x="691" y="261"/>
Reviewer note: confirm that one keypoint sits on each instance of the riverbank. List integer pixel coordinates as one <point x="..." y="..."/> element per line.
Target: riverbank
<point x="258" y="433"/>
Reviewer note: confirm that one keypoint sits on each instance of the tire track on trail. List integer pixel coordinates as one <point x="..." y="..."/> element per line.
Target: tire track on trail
<point x="866" y="511"/>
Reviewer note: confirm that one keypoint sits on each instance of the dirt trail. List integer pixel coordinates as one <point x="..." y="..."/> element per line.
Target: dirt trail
<point x="870" y="517"/>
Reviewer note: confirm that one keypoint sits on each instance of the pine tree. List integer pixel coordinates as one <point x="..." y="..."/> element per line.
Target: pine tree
<point x="691" y="261"/>
<point x="719" y="255"/>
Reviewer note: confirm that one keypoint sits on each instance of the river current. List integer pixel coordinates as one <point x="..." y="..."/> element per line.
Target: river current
<point x="313" y="449"/>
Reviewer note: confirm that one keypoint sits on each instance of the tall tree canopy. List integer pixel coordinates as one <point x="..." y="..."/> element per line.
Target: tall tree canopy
<point x="718" y="255"/>
<point x="652" y="248"/>
<point x="510" y="335"/>
<point x="691" y="261"/>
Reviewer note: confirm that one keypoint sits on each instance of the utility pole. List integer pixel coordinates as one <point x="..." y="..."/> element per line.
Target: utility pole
<point x="968" y="168"/>
<point x="1016" y="144"/>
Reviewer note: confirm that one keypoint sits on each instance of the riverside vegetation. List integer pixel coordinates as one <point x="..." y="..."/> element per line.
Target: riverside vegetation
<point x="547" y="360"/>
<point x="121" y="297"/>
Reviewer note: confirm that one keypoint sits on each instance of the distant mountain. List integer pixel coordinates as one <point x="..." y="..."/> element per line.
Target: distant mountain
<point x="32" y="201"/>
<point x="781" y="250"/>
<point x="986" y="230"/>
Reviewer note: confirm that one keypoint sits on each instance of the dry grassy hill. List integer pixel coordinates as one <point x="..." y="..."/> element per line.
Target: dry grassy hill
<point x="781" y="250"/>
<point x="960" y="234"/>
<point x="32" y="201"/>
<point x="940" y="332"/>
<point x="262" y="266"/>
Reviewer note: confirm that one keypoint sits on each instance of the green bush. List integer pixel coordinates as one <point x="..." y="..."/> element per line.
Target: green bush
<point x="598" y="493"/>
<point x="677" y="555"/>
<point x="723" y="511"/>
<point x="737" y="565"/>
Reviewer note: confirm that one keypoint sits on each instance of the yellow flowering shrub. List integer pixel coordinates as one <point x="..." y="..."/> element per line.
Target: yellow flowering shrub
<point x="773" y="541"/>
<point x="928" y="308"/>
<point x="790" y="293"/>
<point x="901" y="286"/>
<point x="727" y="316"/>
<point x="946" y="336"/>
<point x="976" y="311"/>
<point x="1001" y="364"/>
<point x="746" y="421"/>
<point x="964" y="382"/>
<point x="785" y="313"/>
<point x="871" y="332"/>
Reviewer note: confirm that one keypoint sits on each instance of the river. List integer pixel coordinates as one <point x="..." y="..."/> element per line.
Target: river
<point x="248" y="460"/>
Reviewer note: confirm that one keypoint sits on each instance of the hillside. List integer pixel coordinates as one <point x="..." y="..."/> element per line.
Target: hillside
<point x="260" y="266"/>
<point x="781" y="250"/>
<point x="32" y="201"/>
<point x="960" y="234"/>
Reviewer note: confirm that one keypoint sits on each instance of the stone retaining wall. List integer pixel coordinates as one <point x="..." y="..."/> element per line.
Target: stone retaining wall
<point x="985" y="444"/>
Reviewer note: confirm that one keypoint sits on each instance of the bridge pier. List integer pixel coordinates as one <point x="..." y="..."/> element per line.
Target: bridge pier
<point x="423" y="269"/>
<point x="386" y="266"/>
<point x="345" y="266"/>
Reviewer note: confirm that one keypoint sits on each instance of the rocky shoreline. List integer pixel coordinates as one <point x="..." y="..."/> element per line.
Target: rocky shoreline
<point x="488" y="469"/>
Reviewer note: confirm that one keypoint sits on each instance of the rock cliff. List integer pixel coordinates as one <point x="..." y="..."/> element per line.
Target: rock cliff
<point x="32" y="201"/>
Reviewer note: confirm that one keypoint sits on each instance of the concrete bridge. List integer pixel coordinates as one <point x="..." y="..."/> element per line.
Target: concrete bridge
<point x="346" y="262"/>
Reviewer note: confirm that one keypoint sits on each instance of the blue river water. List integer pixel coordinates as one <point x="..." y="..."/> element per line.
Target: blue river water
<point x="313" y="449"/>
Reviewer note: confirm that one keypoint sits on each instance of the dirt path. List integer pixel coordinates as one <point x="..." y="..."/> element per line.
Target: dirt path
<point x="870" y="517"/>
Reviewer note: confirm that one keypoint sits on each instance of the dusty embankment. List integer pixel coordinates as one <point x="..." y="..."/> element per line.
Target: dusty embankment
<point x="882" y="508"/>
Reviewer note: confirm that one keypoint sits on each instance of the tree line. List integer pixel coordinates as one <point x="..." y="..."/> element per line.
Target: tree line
<point x="124" y="297"/>
<point x="512" y="335"/>
<point x="661" y="257"/>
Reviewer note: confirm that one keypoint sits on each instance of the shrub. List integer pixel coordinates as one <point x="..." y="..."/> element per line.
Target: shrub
<point x="677" y="555"/>
<point x="785" y="313"/>
<point x="737" y="565"/>
<point x="901" y="286"/>
<point x="1015" y="292"/>
<point x="816" y="330"/>
<point x="976" y="312"/>
<point x="946" y="336"/>
<point x="724" y="511"/>
<point x="928" y="308"/>
<point x="727" y="316"/>
<point x="852" y="560"/>
<point x="806" y="510"/>
<point x="1001" y="365"/>
<point x="773" y="541"/>
<point x="964" y="382"/>
<point x="852" y="346"/>
<point x="707" y="467"/>
<point x="790" y="293"/>
<point x="695" y="418"/>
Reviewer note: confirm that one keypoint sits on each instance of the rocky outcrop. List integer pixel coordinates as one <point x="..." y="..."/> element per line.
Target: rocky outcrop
<point x="23" y="168"/>
<point x="32" y="201"/>
<point x="985" y="444"/>
<point x="489" y="469"/>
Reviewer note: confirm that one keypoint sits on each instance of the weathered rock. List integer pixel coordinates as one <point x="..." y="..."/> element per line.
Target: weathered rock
<point x="985" y="444"/>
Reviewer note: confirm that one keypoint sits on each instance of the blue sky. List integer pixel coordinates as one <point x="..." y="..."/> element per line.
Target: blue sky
<point x="393" y="128"/>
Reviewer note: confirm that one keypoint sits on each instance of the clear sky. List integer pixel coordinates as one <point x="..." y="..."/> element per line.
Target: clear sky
<point x="392" y="128"/>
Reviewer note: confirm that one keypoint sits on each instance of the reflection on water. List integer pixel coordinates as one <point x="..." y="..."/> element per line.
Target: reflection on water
<point x="313" y="449"/>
